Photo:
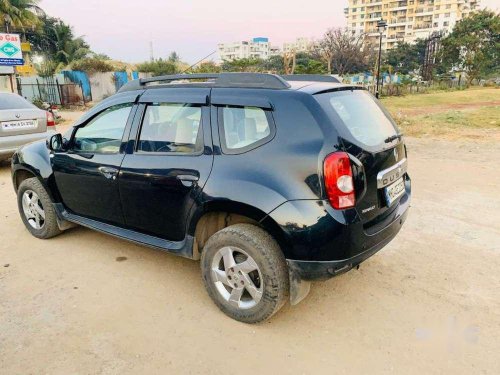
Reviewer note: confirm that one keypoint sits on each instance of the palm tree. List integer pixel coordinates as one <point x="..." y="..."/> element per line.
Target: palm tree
<point x="20" y="14"/>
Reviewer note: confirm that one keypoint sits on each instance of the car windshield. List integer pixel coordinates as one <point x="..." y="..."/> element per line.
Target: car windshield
<point x="365" y="121"/>
<point x="13" y="101"/>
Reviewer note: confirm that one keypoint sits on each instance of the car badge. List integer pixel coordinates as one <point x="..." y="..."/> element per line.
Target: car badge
<point x="18" y="115"/>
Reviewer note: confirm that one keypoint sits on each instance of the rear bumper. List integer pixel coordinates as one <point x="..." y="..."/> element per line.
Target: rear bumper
<point x="10" y="144"/>
<point x="320" y="242"/>
<point x="322" y="270"/>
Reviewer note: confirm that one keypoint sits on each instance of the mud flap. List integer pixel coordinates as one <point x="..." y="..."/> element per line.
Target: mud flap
<point x="299" y="288"/>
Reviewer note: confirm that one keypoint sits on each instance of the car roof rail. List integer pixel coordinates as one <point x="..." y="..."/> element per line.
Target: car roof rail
<point x="310" y="78"/>
<point x="227" y="80"/>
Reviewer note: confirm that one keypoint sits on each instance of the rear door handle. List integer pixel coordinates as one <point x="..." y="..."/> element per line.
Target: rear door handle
<point x="108" y="172"/>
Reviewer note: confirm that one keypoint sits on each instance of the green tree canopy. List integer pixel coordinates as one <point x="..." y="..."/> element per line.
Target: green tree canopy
<point x="405" y="57"/>
<point x="474" y="45"/>
<point x="21" y="14"/>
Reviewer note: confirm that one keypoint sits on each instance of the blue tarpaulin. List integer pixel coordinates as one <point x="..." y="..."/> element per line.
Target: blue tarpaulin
<point x="80" y="78"/>
<point x="121" y="78"/>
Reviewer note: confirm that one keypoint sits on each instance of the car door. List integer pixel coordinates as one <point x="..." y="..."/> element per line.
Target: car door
<point x="169" y="163"/>
<point x="86" y="174"/>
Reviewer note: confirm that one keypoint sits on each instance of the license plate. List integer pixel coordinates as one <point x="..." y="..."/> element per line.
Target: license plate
<point x="19" y="125"/>
<point x="394" y="191"/>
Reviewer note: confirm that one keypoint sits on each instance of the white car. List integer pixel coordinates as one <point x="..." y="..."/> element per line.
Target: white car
<point x="20" y="123"/>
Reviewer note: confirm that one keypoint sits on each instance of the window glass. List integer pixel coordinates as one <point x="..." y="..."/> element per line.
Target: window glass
<point x="244" y="126"/>
<point x="364" y="119"/>
<point x="104" y="133"/>
<point x="14" y="101"/>
<point x="171" y="128"/>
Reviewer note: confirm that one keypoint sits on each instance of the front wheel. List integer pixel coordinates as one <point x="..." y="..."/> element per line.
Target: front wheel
<point x="245" y="273"/>
<point x="36" y="209"/>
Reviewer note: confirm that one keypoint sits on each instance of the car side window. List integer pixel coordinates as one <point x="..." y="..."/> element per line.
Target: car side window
<point x="171" y="127"/>
<point x="103" y="134"/>
<point x="245" y="127"/>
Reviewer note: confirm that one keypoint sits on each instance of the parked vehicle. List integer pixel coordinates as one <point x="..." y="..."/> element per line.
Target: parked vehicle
<point x="273" y="183"/>
<point x="20" y="123"/>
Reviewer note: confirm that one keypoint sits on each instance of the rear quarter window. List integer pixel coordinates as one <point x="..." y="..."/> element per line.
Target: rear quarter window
<point x="13" y="101"/>
<point x="244" y="128"/>
<point x="361" y="118"/>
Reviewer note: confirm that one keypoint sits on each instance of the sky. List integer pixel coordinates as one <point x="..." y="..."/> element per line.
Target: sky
<point x="123" y="29"/>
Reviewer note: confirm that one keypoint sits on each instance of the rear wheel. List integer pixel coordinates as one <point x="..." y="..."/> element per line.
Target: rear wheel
<point x="36" y="209"/>
<point x="245" y="273"/>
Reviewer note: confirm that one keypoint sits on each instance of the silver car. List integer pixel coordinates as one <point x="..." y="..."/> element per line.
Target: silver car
<point x="21" y="122"/>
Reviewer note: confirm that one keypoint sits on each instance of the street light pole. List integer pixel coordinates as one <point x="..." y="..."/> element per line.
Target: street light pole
<point x="381" y="25"/>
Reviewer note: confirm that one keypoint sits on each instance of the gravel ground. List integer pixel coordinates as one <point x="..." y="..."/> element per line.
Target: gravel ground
<point x="87" y="303"/>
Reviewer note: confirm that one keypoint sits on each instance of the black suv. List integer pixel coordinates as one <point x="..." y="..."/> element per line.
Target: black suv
<point x="272" y="181"/>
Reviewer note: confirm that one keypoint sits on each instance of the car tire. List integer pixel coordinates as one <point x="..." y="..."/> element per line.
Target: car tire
<point x="245" y="273"/>
<point x="37" y="211"/>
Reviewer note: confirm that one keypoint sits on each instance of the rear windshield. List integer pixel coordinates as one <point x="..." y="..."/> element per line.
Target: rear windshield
<point x="12" y="101"/>
<point x="364" y="120"/>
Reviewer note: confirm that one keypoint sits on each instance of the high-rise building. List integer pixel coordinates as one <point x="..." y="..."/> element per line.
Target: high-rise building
<point x="407" y="20"/>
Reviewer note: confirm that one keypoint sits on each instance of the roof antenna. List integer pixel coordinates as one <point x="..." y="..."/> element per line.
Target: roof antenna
<point x="199" y="61"/>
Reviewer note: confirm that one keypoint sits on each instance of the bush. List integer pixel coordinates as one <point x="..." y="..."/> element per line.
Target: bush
<point x="92" y="65"/>
<point x="158" y="67"/>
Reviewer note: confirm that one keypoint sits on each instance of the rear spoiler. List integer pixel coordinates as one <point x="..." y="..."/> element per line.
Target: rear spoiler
<point x="310" y="78"/>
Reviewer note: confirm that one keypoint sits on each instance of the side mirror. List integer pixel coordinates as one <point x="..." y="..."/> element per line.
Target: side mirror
<point x="56" y="143"/>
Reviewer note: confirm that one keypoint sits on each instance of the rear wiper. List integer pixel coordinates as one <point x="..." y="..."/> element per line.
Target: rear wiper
<point x="394" y="137"/>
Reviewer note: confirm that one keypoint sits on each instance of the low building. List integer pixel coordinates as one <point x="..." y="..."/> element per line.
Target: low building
<point x="257" y="48"/>
<point x="301" y="44"/>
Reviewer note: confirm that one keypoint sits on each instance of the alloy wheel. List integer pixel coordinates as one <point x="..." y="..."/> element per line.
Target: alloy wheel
<point x="237" y="277"/>
<point x="33" y="209"/>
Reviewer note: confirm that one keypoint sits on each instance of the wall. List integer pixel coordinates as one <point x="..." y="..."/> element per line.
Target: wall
<point x="102" y="85"/>
<point x="7" y="79"/>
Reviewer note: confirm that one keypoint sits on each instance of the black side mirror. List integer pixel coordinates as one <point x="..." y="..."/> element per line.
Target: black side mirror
<point x="56" y="143"/>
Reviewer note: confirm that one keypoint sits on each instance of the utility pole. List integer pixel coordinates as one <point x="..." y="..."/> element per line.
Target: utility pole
<point x="151" y="54"/>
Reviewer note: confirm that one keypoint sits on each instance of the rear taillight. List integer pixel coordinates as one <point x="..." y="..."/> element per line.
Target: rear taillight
<point x="50" y="119"/>
<point x="338" y="180"/>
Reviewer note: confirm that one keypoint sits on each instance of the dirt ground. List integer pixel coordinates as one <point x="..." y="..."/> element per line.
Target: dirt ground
<point x="87" y="303"/>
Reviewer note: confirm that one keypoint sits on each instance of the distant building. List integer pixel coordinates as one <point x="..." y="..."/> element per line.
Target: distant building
<point x="300" y="45"/>
<point x="256" y="48"/>
<point x="407" y="20"/>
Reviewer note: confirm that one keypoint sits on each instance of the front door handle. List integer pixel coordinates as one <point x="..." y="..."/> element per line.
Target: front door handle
<point x="187" y="179"/>
<point x="108" y="172"/>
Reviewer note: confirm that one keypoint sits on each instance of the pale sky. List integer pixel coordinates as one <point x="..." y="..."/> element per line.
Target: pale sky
<point x="122" y="29"/>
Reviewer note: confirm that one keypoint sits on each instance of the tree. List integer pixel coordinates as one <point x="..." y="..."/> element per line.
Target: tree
<point x="243" y="65"/>
<point x="207" y="67"/>
<point x="174" y="57"/>
<point x="307" y="64"/>
<point x="274" y="64"/>
<point x="289" y="62"/>
<point x="474" y="45"/>
<point x="20" y="13"/>
<point x="342" y="51"/>
<point x="405" y="57"/>
<point x="55" y="40"/>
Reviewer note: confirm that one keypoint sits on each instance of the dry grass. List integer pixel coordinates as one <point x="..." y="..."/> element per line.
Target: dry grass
<point x="472" y="113"/>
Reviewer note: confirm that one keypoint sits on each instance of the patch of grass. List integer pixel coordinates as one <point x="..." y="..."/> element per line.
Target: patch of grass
<point x="468" y="113"/>
<point x="455" y="122"/>
<point x="478" y="95"/>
